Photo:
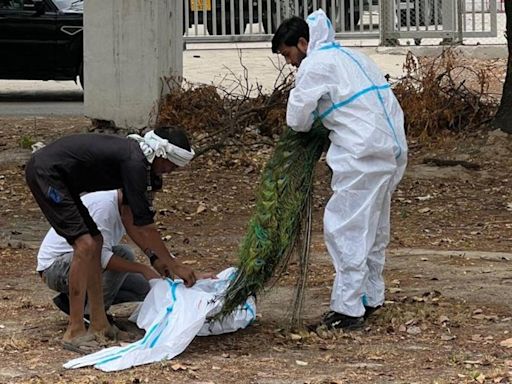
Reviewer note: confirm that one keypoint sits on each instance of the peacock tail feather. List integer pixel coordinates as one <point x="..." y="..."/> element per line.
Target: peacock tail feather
<point x="282" y="202"/>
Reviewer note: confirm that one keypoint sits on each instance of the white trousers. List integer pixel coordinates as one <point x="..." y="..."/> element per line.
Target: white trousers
<point x="357" y="226"/>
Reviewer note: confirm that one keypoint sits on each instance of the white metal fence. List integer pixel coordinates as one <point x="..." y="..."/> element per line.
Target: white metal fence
<point x="387" y="20"/>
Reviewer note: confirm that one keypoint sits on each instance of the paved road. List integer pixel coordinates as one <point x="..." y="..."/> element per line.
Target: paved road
<point x="203" y="63"/>
<point x="217" y="64"/>
<point x="40" y="98"/>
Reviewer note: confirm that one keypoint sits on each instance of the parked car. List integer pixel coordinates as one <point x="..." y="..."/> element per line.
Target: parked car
<point x="41" y="39"/>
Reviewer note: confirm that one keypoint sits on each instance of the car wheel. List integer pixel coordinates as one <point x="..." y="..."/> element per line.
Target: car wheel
<point x="81" y="75"/>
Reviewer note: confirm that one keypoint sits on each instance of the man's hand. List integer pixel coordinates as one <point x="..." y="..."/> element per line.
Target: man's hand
<point x="162" y="268"/>
<point x="187" y="274"/>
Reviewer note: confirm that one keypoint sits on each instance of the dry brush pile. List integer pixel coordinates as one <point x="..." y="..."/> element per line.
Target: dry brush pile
<point x="220" y="117"/>
<point x="445" y="93"/>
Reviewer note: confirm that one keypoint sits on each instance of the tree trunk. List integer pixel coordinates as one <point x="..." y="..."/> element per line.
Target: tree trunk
<point x="503" y="118"/>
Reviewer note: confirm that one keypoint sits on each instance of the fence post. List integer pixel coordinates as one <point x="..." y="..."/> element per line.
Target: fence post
<point x="460" y="20"/>
<point x="387" y="23"/>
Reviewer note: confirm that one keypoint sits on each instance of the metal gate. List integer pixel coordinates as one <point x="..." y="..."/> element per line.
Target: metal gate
<point x="387" y="20"/>
<point x="257" y="20"/>
<point x="451" y="20"/>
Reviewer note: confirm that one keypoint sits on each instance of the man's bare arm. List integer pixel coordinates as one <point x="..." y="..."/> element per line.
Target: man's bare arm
<point x="147" y="237"/>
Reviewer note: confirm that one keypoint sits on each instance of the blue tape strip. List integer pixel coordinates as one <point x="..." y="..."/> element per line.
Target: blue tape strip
<point x="169" y="309"/>
<point x="352" y="98"/>
<point x="145" y="340"/>
<point x="374" y="87"/>
<point x="248" y="308"/>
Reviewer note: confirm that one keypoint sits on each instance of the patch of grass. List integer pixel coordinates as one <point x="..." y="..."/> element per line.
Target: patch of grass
<point x="26" y="142"/>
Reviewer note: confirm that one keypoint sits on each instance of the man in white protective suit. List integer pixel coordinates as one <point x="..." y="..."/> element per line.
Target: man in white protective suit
<point x="367" y="155"/>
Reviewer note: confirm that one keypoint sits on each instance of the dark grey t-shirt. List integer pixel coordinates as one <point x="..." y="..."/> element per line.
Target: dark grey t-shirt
<point x="94" y="162"/>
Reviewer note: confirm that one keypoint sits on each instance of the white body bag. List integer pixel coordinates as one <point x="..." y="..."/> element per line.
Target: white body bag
<point x="172" y="316"/>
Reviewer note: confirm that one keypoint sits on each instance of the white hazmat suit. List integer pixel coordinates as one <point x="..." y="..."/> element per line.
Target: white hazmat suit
<point x="368" y="155"/>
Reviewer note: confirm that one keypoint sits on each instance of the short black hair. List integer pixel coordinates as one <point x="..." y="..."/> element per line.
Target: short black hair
<point x="175" y="135"/>
<point x="289" y="33"/>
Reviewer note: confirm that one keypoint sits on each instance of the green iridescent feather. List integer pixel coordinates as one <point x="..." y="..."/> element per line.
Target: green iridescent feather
<point x="282" y="200"/>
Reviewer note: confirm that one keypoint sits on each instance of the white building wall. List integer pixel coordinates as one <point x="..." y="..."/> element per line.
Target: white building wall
<point x="129" y="47"/>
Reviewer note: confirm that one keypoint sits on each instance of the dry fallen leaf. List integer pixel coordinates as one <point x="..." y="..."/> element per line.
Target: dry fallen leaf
<point x="414" y="330"/>
<point x="201" y="207"/>
<point x="424" y="198"/>
<point x="178" y="367"/>
<point x="295" y="336"/>
<point x="506" y="343"/>
<point x="326" y="347"/>
<point x="473" y="362"/>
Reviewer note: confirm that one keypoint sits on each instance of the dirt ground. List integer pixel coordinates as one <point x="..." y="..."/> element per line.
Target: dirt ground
<point x="447" y="318"/>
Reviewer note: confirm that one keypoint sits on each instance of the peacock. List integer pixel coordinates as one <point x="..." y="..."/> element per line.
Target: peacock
<point x="282" y="217"/>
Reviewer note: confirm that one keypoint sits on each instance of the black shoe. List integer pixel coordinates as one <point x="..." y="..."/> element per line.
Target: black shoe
<point x="335" y="320"/>
<point x="368" y="311"/>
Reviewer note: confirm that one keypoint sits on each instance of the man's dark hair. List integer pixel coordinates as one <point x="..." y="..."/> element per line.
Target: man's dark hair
<point x="175" y="135"/>
<point x="289" y="33"/>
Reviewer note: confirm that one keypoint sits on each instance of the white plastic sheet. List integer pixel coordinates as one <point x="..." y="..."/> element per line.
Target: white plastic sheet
<point x="172" y="316"/>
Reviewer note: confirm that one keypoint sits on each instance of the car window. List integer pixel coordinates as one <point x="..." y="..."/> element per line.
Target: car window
<point x="11" y="4"/>
<point x="17" y="5"/>
<point x="63" y="4"/>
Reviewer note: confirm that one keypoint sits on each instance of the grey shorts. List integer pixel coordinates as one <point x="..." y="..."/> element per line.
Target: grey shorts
<point x="118" y="287"/>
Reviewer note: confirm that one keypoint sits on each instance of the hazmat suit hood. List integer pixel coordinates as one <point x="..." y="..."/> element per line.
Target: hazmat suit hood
<point x="320" y="30"/>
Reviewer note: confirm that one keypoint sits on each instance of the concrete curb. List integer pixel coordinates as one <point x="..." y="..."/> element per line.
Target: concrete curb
<point x="474" y="51"/>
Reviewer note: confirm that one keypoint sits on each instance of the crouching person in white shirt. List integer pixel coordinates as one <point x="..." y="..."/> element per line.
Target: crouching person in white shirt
<point x="123" y="279"/>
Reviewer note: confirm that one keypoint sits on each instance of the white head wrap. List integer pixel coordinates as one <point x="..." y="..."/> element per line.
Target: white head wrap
<point x="155" y="146"/>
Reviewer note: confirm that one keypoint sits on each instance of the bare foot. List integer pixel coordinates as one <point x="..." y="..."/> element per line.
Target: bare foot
<point x="111" y="332"/>
<point x="73" y="333"/>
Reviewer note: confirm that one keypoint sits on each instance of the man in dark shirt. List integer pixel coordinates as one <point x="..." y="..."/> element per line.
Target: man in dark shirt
<point x="58" y="173"/>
